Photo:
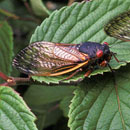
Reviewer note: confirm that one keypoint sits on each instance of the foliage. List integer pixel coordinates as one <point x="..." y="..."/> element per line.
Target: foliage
<point x="91" y="104"/>
<point x="13" y="111"/>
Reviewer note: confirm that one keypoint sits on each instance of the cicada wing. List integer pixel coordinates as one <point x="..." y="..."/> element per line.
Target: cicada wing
<point x="30" y="60"/>
<point x="44" y="58"/>
<point x="119" y="27"/>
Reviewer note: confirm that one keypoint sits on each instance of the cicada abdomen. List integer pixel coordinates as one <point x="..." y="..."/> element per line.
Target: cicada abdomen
<point x="119" y="27"/>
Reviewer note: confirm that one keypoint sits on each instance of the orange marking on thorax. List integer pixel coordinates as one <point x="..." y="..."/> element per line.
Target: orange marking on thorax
<point x="85" y="57"/>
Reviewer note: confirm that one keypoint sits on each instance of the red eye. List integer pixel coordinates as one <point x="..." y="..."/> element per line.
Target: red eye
<point x="106" y="43"/>
<point x="99" y="53"/>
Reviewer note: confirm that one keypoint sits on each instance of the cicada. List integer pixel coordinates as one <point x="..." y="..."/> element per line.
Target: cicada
<point x="119" y="27"/>
<point x="54" y="59"/>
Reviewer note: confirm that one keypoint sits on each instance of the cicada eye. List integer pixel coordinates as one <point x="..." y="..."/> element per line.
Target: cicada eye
<point x="106" y="43"/>
<point x="99" y="53"/>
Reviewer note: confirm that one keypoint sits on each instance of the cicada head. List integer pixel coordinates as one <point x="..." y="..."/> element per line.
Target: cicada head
<point x="94" y="49"/>
<point x="96" y="52"/>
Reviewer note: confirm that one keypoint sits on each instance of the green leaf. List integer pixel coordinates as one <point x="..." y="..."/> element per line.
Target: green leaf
<point x="6" y="47"/>
<point x="82" y="22"/>
<point x="64" y="104"/>
<point x="97" y="106"/>
<point x="14" y="114"/>
<point x="39" y="94"/>
<point x="47" y="114"/>
<point x="39" y="8"/>
<point x="41" y="99"/>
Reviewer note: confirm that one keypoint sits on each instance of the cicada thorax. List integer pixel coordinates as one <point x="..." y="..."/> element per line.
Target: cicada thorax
<point x="119" y="27"/>
<point x="53" y="59"/>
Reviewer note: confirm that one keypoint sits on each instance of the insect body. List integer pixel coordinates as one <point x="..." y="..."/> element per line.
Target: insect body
<point x="53" y="59"/>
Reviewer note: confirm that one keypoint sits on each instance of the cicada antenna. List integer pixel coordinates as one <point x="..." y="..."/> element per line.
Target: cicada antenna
<point x="114" y="55"/>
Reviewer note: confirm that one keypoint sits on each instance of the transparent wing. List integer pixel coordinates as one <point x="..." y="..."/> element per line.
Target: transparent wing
<point x="119" y="27"/>
<point x="41" y="58"/>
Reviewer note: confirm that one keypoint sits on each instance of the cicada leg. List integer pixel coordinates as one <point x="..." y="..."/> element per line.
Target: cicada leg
<point x="114" y="55"/>
<point x="103" y="63"/>
<point x="88" y="73"/>
<point x="74" y="73"/>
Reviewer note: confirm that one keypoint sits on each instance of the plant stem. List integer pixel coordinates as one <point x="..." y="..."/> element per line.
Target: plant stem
<point x="9" y="14"/>
<point x="3" y="76"/>
<point x="15" y="17"/>
<point x="28" y="8"/>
